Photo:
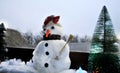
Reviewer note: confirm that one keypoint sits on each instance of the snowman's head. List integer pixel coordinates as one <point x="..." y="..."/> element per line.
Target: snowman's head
<point x="52" y="27"/>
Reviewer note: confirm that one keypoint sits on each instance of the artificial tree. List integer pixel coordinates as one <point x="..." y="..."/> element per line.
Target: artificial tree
<point x="103" y="56"/>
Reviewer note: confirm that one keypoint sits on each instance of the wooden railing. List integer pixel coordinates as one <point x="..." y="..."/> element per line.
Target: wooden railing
<point x="77" y="58"/>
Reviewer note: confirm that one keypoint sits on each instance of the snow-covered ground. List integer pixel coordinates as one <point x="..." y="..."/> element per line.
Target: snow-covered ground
<point x="18" y="66"/>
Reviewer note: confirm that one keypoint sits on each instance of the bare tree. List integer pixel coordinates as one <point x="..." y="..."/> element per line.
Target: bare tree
<point x="85" y="39"/>
<point x="29" y="37"/>
<point x="37" y="39"/>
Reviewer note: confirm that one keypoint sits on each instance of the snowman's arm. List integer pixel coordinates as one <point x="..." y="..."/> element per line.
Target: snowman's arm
<point x="66" y="44"/>
<point x="63" y="48"/>
<point x="63" y="54"/>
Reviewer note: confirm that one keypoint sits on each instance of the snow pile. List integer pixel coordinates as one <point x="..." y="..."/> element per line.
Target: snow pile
<point x="17" y="62"/>
<point x="16" y="66"/>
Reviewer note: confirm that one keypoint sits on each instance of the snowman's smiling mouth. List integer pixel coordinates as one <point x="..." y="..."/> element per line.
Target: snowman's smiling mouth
<point x="52" y="37"/>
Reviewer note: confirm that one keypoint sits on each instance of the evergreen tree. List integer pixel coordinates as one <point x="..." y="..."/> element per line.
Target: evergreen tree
<point x="103" y="57"/>
<point x="3" y="49"/>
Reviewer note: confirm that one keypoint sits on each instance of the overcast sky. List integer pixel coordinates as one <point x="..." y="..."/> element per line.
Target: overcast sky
<point x="77" y="16"/>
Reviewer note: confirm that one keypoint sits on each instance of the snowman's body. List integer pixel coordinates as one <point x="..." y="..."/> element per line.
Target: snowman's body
<point x="44" y="55"/>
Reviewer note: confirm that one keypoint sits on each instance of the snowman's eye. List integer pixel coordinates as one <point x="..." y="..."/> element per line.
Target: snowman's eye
<point x="44" y="29"/>
<point x="52" y="27"/>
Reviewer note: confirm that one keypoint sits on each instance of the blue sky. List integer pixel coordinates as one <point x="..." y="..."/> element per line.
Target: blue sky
<point x="77" y="16"/>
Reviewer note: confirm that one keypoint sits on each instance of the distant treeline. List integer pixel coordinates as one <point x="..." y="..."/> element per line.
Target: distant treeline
<point x="35" y="39"/>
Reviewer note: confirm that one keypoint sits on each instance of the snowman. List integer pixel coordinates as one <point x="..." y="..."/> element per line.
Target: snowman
<point x="51" y="55"/>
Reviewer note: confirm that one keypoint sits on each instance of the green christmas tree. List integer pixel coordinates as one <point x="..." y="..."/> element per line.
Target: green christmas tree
<point x="103" y="53"/>
<point x="3" y="49"/>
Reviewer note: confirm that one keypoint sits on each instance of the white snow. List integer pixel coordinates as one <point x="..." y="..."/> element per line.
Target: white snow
<point x="16" y="66"/>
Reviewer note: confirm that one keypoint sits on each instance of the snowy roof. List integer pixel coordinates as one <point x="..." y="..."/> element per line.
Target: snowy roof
<point x="80" y="47"/>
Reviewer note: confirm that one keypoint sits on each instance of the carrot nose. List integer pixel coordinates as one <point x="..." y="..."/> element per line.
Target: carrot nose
<point x="47" y="33"/>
